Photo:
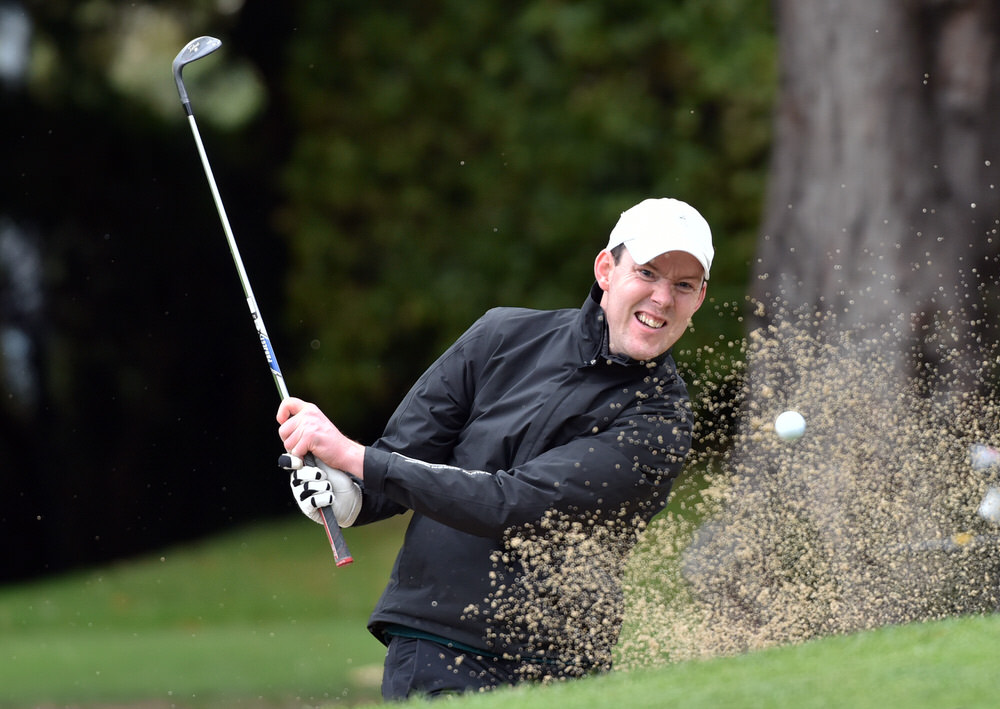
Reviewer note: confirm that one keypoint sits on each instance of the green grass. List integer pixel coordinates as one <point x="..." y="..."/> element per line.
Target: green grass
<point x="261" y="617"/>
<point x="949" y="663"/>
<point x="257" y="613"/>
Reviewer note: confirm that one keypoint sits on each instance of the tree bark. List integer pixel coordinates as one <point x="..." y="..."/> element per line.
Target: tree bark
<point x="883" y="202"/>
<point x="874" y="286"/>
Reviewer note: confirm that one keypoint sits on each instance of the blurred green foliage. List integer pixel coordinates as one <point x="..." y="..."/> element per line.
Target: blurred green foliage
<point x="391" y="171"/>
<point x="454" y="156"/>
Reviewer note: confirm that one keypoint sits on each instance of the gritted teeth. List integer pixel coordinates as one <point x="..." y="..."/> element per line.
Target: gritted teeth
<point x="649" y="321"/>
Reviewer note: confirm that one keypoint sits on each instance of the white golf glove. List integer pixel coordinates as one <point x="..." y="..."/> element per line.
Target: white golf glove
<point x="317" y="486"/>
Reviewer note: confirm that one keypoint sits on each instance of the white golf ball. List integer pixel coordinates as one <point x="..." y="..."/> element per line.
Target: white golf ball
<point x="790" y="426"/>
<point x="989" y="508"/>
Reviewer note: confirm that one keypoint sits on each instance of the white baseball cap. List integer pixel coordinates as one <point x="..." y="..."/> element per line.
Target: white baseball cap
<point x="656" y="226"/>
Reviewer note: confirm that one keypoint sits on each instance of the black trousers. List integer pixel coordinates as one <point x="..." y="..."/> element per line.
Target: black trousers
<point x="414" y="666"/>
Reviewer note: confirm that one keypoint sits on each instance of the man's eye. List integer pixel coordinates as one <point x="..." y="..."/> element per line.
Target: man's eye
<point x="684" y="287"/>
<point x="646" y="273"/>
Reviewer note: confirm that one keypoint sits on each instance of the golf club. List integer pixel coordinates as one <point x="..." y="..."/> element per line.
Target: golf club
<point x="193" y="51"/>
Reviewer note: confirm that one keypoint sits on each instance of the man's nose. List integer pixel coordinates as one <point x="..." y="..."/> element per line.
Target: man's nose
<point x="663" y="292"/>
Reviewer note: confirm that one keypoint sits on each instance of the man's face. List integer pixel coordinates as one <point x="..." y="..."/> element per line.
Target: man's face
<point x="648" y="306"/>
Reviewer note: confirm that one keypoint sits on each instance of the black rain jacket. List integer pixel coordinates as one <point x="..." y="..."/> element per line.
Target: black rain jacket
<point x="526" y="412"/>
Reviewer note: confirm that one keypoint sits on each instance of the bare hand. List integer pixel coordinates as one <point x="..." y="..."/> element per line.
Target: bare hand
<point x="303" y="429"/>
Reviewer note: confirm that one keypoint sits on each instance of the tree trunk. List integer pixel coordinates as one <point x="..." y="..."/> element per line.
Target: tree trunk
<point x="883" y="200"/>
<point x="873" y="292"/>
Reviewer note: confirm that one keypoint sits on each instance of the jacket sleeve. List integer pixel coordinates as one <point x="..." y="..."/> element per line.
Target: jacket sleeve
<point x="427" y="422"/>
<point x="626" y="468"/>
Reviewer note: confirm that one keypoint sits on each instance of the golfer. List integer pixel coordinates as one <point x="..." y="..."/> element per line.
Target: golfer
<point x="578" y="414"/>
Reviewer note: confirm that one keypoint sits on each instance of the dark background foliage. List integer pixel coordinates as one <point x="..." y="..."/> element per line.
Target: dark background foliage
<point x="390" y="171"/>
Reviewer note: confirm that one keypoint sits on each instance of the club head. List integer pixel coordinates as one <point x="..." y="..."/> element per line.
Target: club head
<point x="193" y="51"/>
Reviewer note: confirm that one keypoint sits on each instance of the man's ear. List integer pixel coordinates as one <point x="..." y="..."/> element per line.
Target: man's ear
<point x="701" y="296"/>
<point x="603" y="265"/>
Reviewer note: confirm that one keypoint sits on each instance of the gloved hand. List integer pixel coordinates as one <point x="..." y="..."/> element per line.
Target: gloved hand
<point x="317" y="486"/>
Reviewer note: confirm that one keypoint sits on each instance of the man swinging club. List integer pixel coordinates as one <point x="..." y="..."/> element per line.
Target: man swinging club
<point x="578" y="412"/>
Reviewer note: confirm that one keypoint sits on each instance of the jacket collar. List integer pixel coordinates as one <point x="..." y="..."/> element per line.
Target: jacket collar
<point x="594" y="347"/>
